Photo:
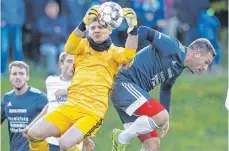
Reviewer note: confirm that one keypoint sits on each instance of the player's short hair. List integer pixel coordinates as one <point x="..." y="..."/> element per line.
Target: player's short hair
<point x="203" y="45"/>
<point x="20" y="64"/>
<point x="62" y="57"/>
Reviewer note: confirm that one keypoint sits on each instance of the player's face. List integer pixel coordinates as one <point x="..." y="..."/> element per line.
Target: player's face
<point x="18" y="77"/>
<point x="67" y="66"/>
<point x="200" y="62"/>
<point x="98" y="33"/>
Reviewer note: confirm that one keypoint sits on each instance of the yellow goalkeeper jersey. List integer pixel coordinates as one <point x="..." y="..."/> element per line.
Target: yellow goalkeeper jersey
<point x="94" y="73"/>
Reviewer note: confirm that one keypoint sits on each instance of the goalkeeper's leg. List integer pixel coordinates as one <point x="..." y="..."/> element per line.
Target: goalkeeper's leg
<point x="39" y="132"/>
<point x="83" y="128"/>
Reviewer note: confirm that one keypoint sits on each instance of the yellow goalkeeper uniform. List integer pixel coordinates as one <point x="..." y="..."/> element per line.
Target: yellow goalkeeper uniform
<point x="94" y="73"/>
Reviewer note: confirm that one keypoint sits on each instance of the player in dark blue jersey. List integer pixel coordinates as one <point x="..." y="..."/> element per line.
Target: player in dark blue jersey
<point x="21" y="105"/>
<point x="160" y="63"/>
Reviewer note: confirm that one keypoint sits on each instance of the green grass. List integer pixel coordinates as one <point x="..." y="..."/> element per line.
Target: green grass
<point x="198" y="119"/>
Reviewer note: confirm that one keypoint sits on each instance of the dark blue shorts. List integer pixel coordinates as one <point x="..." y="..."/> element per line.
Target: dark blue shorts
<point x="127" y="97"/>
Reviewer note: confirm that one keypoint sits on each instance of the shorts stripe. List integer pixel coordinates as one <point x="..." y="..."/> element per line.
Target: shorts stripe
<point x="135" y="89"/>
<point x="135" y="105"/>
<point x="132" y="90"/>
<point x="140" y="99"/>
<point x="97" y="125"/>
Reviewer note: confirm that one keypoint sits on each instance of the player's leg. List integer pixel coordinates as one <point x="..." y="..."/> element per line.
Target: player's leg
<point x="85" y="126"/>
<point x="39" y="132"/>
<point x="150" y="141"/>
<point x="133" y="100"/>
<point x="127" y="121"/>
<point x="152" y="115"/>
<point x="70" y="138"/>
<point x="52" y="124"/>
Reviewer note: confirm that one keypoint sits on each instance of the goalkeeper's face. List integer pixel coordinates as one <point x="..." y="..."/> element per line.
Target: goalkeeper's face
<point x="18" y="77"/>
<point x="67" y="66"/>
<point x="98" y="33"/>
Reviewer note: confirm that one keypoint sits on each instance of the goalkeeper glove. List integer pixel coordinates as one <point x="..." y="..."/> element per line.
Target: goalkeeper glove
<point x="91" y="14"/>
<point x="131" y="18"/>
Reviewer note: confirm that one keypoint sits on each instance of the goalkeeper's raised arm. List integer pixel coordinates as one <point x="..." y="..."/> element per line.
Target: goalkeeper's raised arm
<point x="78" y="33"/>
<point x="126" y="56"/>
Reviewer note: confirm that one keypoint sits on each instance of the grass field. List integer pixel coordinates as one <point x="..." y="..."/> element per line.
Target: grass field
<point x="198" y="119"/>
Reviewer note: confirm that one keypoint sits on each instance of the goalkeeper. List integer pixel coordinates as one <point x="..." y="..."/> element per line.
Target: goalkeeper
<point x="96" y="64"/>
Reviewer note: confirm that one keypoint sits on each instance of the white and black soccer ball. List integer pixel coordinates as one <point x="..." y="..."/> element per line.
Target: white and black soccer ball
<point x="110" y="15"/>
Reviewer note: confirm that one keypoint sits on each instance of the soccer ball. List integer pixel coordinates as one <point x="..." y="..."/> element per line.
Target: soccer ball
<point x="110" y="15"/>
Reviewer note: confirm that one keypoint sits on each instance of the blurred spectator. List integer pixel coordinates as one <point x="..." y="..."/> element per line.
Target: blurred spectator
<point x="74" y="11"/>
<point x="53" y="29"/>
<point x="123" y="3"/>
<point x="150" y="13"/>
<point x="171" y="19"/>
<point x="94" y="2"/>
<point x="12" y="20"/>
<point x="188" y="13"/>
<point x="34" y="12"/>
<point x="208" y="25"/>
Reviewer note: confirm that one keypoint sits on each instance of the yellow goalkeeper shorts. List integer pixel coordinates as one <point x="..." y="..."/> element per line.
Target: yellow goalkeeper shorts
<point x="66" y="116"/>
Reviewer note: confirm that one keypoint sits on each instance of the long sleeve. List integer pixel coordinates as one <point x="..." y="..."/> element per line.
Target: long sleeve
<point x="124" y="55"/>
<point x="165" y="93"/>
<point x="72" y="45"/>
<point x="165" y="98"/>
<point x="73" y="42"/>
<point x="166" y="45"/>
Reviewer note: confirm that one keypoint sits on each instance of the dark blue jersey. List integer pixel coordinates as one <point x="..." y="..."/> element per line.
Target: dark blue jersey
<point x="159" y="63"/>
<point x="20" y="110"/>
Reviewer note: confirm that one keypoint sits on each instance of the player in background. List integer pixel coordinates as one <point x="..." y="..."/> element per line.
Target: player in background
<point x="20" y="105"/>
<point x="96" y="64"/>
<point x="160" y="63"/>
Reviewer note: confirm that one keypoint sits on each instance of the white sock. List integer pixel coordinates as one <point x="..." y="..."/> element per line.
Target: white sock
<point x="145" y="149"/>
<point x="142" y="125"/>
